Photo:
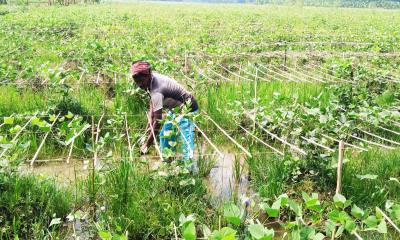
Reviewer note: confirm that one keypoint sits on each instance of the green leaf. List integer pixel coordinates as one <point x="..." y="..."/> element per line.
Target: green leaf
<point x="189" y="231"/>
<point x="382" y="228"/>
<point x="55" y="221"/>
<point x="367" y="176"/>
<point x="259" y="232"/>
<point x="371" y="221"/>
<point x="295" y="207"/>
<point x="318" y="236"/>
<point x="339" y="198"/>
<point x="339" y="231"/>
<point x="35" y="121"/>
<point x="312" y="202"/>
<point x="105" y="235"/>
<point x="69" y="115"/>
<point x="357" y="212"/>
<point x="232" y="213"/>
<point x="338" y="216"/>
<point x="8" y="120"/>
<point x="225" y="233"/>
<point x="350" y="226"/>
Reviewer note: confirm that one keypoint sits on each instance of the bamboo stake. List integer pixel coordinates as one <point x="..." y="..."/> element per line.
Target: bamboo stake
<point x="345" y="143"/>
<point x="154" y="136"/>
<point x="235" y="74"/>
<point x="373" y="143"/>
<point x="227" y="135"/>
<point x="339" y="175"/>
<point x="261" y="141"/>
<point x="17" y="135"/>
<point x="210" y="142"/>
<point x="379" y="137"/>
<point x="389" y="130"/>
<point x="304" y="74"/>
<point x="317" y="144"/>
<point x="70" y="151"/>
<point x="357" y="236"/>
<point x="96" y="140"/>
<point x="127" y="136"/>
<point x="388" y="219"/>
<point x="289" y="75"/>
<point x="44" y="139"/>
<point x="340" y="167"/>
<point x="294" y="147"/>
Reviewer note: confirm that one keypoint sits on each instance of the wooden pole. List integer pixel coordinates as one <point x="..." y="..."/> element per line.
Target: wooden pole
<point x="97" y="139"/>
<point x="340" y="167"/>
<point x="339" y="175"/>
<point x="388" y="219"/>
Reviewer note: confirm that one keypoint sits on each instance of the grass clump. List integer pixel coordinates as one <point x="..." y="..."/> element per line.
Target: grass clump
<point x="28" y="204"/>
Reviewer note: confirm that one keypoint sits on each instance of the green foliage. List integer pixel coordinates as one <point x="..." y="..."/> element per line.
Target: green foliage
<point x="29" y="204"/>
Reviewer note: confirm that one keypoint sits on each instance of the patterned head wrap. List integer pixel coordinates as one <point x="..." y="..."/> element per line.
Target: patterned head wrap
<point x="140" y="67"/>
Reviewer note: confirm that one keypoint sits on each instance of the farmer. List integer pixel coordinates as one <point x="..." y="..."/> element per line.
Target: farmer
<point x="165" y="93"/>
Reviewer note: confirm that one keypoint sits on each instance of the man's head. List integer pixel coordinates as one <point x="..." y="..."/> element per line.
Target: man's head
<point x="141" y="74"/>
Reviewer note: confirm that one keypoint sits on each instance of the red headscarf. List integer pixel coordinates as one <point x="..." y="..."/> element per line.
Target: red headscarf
<point x="140" y="67"/>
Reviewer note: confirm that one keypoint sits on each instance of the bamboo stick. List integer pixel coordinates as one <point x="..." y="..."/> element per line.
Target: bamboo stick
<point x="339" y="175"/>
<point x="304" y="74"/>
<point x="44" y="139"/>
<point x="227" y="135"/>
<point x="70" y="150"/>
<point x="379" y="137"/>
<point x="389" y="130"/>
<point x="154" y="136"/>
<point x="261" y="141"/>
<point x="345" y="143"/>
<point x="373" y="143"/>
<point x="388" y="219"/>
<point x="317" y="144"/>
<point x="235" y="74"/>
<point x="98" y="129"/>
<point x="294" y="147"/>
<point x="210" y="142"/>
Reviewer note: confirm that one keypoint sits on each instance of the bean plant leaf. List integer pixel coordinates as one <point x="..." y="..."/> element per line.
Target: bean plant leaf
<point x="105" y="235"/>
<point x="357" y="212"/>
<point x="189" y="231"/>
<point x="371" y="221"/>
<point x="55" y="221"/>
<point x="318" y="236"/>
<point x="232" y="213"/>
<point x="225" y="233"/>
<point x="295" y="207"/>
<point x="382" y="228"/>
<point x="8" y="120"/>
<point x="350" y="226"/>
<point x="259" y="232"/>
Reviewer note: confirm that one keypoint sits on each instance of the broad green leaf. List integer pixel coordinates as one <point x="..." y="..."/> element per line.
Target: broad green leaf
<point x="350" y="226"/>
<point x="357" y="212"/>
<point x="232" y="213"/>
<point x="284" y="199"/>
<point x="225" y="233"/>
<point x="8" y="120"/>
<point x="318" y="236"/>
<point x="339" y="199"/>
<point x="371" y="221"/>
<point x="35" y="121"/>
<point x="295" y="207"/>
<point x="189" y="231"/>
<point x="259" y="232"/>
<point x="105" y="235"/>
<point x="339" y="231"/>
<point x="55" y="221"/>
<point x="338" y="216"/>
<point x="69" y="115"/>
<point x="382" y="228"/>
<point x="307" y="233"/>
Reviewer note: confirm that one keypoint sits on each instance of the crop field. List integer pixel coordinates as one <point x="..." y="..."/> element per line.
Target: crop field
<point x="297" y="136"/>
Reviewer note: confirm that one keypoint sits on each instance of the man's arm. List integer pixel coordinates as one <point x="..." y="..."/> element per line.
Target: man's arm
<point x="154" y="127"/>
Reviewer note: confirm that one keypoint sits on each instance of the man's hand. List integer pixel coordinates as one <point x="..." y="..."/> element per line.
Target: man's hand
<point x="143" y="149"/>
